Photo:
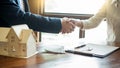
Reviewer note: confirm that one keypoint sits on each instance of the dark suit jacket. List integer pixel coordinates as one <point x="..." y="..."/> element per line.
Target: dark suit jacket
<point x="11" y="14"/>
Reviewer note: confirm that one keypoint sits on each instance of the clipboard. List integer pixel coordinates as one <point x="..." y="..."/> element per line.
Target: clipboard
<point x="93" y="50"/>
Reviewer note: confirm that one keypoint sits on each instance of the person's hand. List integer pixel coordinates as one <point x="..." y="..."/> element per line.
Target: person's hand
<point x="76" y="22"/>
<point x="67" y="25"/>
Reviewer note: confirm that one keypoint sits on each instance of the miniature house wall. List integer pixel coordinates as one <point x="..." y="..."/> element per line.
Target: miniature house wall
<point x="17" y="41"/>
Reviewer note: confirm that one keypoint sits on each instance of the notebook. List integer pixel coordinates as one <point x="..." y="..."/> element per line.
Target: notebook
<point x="93" y="50"/>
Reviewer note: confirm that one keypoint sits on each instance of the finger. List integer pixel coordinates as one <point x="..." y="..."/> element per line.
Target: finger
<point x="72" y="20"/>
<point x="71" y="30"/>
<point x="63" y="31"/>
<point x="67" y="31"/>
<point x="72" y="25"/>
<point x="66" y="19"/>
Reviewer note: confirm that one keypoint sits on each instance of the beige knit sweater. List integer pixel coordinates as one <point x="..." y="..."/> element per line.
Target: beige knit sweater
<point x="111" y="11"/>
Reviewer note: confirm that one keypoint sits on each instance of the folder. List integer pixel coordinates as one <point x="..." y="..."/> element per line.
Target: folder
<point x="93" y="50"/>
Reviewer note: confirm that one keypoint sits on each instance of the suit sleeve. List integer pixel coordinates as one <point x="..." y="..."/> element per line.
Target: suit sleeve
<point x="13" y="15"/>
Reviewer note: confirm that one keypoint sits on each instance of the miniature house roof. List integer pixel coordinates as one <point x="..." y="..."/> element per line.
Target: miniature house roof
<point x="25" y="34"/>
<point x="3" y="33"/>
<point x="19" y="28"/>
<point x="22" y="32"/>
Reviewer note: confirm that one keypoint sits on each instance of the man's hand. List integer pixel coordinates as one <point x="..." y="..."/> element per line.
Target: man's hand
<point x="77" y="22"/>
<point x="67" y="25"/>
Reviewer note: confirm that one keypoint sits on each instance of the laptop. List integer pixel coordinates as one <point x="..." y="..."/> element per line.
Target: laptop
<point x="93" y="50"/>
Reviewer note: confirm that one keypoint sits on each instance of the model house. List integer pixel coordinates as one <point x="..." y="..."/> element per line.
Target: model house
<point x="17" y="41"/>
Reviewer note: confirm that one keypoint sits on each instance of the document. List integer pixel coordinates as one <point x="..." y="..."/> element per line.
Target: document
<point x="52" y="48"/>
<point x="93" y="50"/>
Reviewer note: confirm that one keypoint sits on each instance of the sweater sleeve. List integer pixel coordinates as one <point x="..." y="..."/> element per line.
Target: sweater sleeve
<point x="95" y="20"/>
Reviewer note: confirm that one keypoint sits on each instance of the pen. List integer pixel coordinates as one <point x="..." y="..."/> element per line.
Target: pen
<point x="80" y="46"/>
<point x="81" y="53"/>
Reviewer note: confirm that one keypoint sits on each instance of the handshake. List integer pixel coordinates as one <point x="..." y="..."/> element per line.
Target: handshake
<point x="68" y="24"/>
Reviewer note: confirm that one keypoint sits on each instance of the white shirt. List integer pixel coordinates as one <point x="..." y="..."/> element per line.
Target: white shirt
<point x="22" y="5"/>
<point x="111" y="11"/>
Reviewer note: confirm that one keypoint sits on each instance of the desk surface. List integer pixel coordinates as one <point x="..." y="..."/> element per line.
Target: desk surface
<point x="62" y="61"/>
<point x="67" y="60"/>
